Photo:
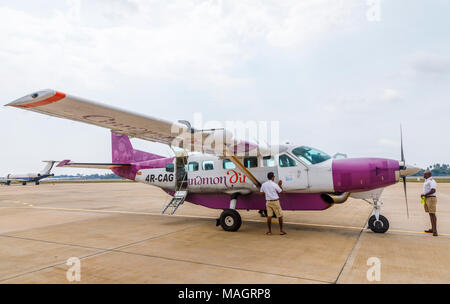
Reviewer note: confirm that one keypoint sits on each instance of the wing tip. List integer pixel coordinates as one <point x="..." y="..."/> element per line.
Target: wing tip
<point x="36" y="99"/>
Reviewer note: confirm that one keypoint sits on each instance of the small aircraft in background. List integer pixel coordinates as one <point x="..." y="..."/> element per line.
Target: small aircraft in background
<point x="218" y="171"/>
<point x="30" y="177"/>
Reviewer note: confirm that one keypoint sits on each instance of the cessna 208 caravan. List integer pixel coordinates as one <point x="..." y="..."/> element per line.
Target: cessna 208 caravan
<point x="226" y="173"/>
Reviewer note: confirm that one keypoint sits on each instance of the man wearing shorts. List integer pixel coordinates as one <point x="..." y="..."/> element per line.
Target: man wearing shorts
<point x="271" y="190"/>
<point x="429" y="192"/>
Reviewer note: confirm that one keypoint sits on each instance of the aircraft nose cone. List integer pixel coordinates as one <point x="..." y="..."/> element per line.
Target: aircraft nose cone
<point x="407" y="170"/>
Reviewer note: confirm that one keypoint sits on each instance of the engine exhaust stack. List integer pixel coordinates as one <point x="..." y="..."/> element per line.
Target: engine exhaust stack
<point x="335" y="198"/>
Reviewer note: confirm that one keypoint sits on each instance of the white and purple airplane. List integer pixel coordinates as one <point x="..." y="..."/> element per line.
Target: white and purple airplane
<point x="30" y="177"/>
<point x="227" y="173"/>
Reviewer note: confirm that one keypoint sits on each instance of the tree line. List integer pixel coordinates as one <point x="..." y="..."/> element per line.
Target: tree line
<point x="436" y="170"/>
<point x="91" y="176"/>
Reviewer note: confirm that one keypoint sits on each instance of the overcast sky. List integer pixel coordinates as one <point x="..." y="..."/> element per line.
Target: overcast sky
<point x="338" y="75"/>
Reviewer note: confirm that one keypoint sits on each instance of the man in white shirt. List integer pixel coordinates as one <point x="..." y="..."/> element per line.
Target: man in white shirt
<point x="429" y="192"/>
<point x="271" y="190"/>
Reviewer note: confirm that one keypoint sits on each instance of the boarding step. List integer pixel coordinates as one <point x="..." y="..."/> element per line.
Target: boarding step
<point x="176" y="201"/>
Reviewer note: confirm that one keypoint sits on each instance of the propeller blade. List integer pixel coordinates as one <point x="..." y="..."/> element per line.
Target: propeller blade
<point x="406" y="197"/>
<point x="401" y="145"/>
<point x="404" y="165"/>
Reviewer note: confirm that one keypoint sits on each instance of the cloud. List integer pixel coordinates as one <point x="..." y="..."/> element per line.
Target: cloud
<point x="390" y="95"/>
<point x="431" y="64"/>
<point x="197" y="42"/>
<point x="351" y="103"/>
<point x="385" y="142"/>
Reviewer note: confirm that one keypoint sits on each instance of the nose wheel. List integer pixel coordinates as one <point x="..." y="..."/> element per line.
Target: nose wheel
<point x="377" y="222"/>
<point x="378" y="226"/>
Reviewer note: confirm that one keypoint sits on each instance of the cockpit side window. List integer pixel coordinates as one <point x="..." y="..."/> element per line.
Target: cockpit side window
<point x="310" y="155"/>
<point x="286" y="161"/>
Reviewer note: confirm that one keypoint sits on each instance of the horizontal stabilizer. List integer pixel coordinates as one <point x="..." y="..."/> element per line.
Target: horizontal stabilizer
<point x="108" y="166"/>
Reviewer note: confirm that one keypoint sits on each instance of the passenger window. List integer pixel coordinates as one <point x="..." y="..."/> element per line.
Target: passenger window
<point x="268" y="161"/>
<point x="251" y="162"/>
<point x="286" y="161"/>
<point x="228" y="164"/>
<point x="208" y="165"/>
<point x="193" y="166"/>
<point x="169" y="167"/>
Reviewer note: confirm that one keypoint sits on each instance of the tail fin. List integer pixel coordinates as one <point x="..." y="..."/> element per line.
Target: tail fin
<point x="48" y="167"/>
<point x="123" y="152"/>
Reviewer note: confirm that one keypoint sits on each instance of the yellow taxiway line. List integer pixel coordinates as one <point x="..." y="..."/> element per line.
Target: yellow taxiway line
<point x="211" y="217"/>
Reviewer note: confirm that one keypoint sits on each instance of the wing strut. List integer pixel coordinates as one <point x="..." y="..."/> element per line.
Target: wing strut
<point x="241" y="166"/>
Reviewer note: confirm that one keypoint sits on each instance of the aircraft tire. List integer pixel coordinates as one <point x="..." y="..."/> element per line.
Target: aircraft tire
<point x="37" y="183"/>
<point x="230" y="220"/>
<point x="380" y="226"/>
<point x="24" y="183"/>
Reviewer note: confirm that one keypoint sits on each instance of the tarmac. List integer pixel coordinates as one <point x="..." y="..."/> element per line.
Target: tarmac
<point x="119" y="236"/>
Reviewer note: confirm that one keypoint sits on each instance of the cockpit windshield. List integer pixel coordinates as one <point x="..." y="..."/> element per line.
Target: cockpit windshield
<point x="310" y="155"/>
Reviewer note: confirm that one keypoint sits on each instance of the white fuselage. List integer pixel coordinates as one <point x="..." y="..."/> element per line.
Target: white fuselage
<point x="23" y="176"/>
<point x="208" y="173"/>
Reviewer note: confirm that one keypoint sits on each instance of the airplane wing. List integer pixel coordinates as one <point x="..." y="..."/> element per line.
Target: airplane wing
<point x="109" y="166"/>
<point x="62" y="105"/>
<point x="178" y="134"/>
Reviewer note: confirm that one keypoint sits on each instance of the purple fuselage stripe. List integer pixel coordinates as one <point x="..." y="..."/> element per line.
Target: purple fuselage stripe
<point x="363" y="174"/>
<point x="254" y="201"/>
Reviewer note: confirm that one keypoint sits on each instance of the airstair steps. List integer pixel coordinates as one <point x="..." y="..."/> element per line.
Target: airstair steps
<point x="176" y="201"/>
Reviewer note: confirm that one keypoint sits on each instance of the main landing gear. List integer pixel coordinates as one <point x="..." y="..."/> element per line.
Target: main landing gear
<point x="377" y="223"/>
<point x="230" y="219"/>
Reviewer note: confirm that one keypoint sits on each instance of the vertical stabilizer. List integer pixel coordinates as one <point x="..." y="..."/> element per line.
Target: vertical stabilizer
<point x="48" y="167"/>
<point x="123" y="152"/>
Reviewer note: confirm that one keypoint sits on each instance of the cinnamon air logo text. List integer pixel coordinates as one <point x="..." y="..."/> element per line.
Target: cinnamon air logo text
<point x="231" y="178"/>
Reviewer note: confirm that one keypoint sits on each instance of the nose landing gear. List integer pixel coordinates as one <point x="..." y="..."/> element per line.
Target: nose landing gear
<point x="377" y="222"/>
<point x="380" y="225"/>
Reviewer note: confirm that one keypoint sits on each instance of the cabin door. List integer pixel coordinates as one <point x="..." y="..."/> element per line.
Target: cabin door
<point x="180" y="173"/>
